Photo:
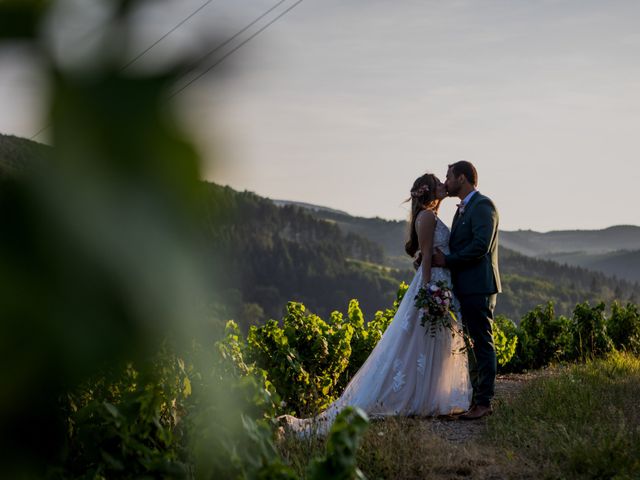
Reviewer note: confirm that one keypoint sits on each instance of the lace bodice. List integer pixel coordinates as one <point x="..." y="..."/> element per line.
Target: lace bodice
<point x="441" y="241"/>
<point x="441" y="236"/>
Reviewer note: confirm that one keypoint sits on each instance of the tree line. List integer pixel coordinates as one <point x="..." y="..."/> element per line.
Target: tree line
<point x="272" y="255"/>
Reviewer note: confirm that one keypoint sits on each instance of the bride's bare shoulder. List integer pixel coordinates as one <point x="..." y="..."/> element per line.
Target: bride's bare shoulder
<point x="426" y="220"/>
<point x="426" y="216"/>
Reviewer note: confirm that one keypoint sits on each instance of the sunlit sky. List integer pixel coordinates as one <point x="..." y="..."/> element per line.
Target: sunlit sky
<point x="344" y="103"/>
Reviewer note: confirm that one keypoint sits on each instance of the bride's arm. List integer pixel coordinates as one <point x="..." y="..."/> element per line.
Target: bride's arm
<point x="425" y="228"/>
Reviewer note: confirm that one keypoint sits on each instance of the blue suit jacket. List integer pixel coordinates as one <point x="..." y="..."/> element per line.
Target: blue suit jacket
<point x="473" y="257"/>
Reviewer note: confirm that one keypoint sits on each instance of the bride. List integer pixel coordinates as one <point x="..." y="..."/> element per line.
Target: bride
<point x="410" y="371"/>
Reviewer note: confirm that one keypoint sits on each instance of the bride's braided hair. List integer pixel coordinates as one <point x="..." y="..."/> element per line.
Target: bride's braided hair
<point x="423" y="197"/>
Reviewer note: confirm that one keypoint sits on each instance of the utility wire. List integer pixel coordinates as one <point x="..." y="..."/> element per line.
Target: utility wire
<point x="229" y="40"/>
<point x="211" y="52"/>
<point x="201" y="74"/>
<point x="143" y="53"/>
<point x="46" y="127"/>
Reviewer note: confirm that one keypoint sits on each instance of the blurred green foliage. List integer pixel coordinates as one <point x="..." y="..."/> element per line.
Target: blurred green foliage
<point x="342" y="445"/>
<point x="98" y="258"/>
<point x="123" y="424"/>
<point x="21" y="18"/>
<point x="104" y="292"/>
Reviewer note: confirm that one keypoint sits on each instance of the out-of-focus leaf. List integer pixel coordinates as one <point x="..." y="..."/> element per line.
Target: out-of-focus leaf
<point x="21" y="18"/>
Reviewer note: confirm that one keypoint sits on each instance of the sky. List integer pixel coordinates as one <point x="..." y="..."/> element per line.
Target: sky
<point x="344" y="103"/>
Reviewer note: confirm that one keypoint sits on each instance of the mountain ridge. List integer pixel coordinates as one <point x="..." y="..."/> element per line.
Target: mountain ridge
<point x="617" y="228"/>
<point x="579" y="248"/>
<point x="18" y="154"/>
<point x="323" y="258"/>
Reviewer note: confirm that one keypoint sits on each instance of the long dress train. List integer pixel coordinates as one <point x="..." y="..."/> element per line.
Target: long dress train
<point x="409" y="372"/>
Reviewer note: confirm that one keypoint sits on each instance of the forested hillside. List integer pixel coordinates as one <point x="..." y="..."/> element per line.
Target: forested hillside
<point x="296" y="252"/>
<point x="390" y="234"/>
<point x="17" y="154"/>
<point x="323" y="258"/>
<point x="527" y="281"/>
<point x="614" y="251"/>
<point x="528" y="242"/>
<point x="274" y="255"/>
<point x="622" y="263"/>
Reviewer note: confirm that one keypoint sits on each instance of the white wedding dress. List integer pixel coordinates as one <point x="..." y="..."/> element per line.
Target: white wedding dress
<point x="409" y="372"/>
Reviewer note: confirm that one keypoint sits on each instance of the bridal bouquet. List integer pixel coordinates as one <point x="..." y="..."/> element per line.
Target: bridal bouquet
<point x="435" y="300"/>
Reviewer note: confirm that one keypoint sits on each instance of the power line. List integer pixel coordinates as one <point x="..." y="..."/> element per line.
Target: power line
<point x="143" y="53"/>
<point x="46" y="127"/>
<point x="229" y="40"/>
<point x="211" y="52"/>
<point x="298" y="2"/>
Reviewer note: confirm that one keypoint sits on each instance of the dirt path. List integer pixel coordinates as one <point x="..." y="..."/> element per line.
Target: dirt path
<point x="459" y="431"/>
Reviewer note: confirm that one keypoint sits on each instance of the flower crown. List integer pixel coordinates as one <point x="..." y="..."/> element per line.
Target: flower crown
<point x="418" y="192"/>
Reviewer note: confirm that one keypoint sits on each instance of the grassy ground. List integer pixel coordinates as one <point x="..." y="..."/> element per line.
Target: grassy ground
<point x="574" y="422"/>
<point x="582" y="423"/>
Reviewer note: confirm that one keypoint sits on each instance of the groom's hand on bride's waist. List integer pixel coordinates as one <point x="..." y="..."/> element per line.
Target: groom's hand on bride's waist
<point x="438" y="259"/>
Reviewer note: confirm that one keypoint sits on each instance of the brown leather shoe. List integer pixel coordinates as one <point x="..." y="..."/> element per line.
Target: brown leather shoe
<point x="476" y="412"/>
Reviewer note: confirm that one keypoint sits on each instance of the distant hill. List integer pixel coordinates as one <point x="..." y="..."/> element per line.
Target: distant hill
<point x="612" y="239"/>
<point x="308" y="206"/>
<point x="614" y="251"/>
<point x="390" y="234"/>
<point x="621" y="264"/>
<point x="271" y="253"/>
<point x="19" y="154"/>
<point x="527" y="281"/>
<point x="301" y="253"/>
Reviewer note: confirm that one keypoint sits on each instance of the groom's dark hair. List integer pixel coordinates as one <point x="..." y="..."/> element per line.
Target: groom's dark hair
<point x="467" y="169"/>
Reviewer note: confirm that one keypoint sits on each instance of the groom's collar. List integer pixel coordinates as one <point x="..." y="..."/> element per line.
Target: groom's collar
<point x="467" y="199"/>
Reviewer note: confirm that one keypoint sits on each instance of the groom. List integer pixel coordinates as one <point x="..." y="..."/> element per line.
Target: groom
<point x="473" y="261"/>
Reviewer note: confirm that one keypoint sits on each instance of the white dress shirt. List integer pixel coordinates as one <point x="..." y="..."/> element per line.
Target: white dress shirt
<point x="466" y="199"/>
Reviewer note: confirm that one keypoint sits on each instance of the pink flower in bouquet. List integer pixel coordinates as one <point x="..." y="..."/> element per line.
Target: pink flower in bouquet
<point x="435" y="304"/>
